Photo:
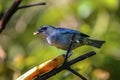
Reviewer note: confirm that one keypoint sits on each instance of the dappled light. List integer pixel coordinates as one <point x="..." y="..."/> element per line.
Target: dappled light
<point x="20" y="50"/>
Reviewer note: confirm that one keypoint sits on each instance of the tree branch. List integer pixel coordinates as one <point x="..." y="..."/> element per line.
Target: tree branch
<point x="65" y="66"/>
<point x="9" y="14"/>
<point x="69" y="49"/>
<point x="11" y="11"/>
<point x="31" y="5"/>
<point x="76" y="73"/>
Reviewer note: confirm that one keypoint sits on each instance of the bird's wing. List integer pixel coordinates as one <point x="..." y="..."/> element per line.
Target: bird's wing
<point x="70" y="31"/>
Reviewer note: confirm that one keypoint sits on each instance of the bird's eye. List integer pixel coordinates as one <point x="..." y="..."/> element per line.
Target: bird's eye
<point x="44" y="28"/>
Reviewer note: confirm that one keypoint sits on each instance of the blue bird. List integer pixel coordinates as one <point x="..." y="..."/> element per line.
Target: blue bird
<point x="61" y="37"/>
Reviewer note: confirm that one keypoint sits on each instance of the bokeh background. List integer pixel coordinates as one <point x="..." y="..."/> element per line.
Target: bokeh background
<point x="20" y="50"/>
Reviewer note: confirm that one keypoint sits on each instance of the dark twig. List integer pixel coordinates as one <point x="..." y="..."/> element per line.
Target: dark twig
<point x="76" y="73"/>
<point x="69" y="49"/>
<point x="11" y="11"/>
<point x="82" y="57"/>
<point x="9" y="14"/>
<point x="65" y="66"/>
<point x="31" y="5"/>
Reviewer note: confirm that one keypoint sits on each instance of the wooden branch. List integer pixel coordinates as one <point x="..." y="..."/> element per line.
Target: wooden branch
<point x="9" y="14"/>
<point x="43" y="68"/>
<point x="65" y="66"/>
<point x="15" y="6"/>
<point x="70" y="48"/>
<point x="76" y="73"/>
<point x="31" y="5"/>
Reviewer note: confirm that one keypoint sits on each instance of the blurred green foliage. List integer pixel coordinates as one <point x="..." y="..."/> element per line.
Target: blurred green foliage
<point x="20" y="50"/>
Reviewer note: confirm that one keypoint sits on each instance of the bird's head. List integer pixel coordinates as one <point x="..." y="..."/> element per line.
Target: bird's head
<point x="45" y="30"/>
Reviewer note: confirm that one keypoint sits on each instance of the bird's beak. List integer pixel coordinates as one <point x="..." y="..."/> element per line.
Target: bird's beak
<point x="38" y="31"/>
<point x="35" y="33"/>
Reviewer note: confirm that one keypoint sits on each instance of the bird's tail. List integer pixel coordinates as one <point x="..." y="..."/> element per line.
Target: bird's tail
<point x="95" y="43"/>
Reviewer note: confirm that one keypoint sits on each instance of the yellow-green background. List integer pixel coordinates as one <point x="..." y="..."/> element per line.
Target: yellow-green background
<point x="20" y="50"/>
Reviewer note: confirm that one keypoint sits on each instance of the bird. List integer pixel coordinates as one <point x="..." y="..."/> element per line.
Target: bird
<point x="61" y="37"/>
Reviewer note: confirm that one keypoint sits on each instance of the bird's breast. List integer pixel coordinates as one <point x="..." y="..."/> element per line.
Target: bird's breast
<point x="63" y="41"/>
<point x="58" y="41"/>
